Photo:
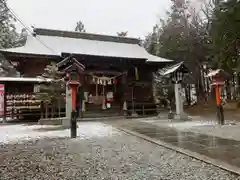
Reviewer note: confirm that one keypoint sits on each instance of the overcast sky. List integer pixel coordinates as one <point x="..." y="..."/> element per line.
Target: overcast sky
<point x="99" y="16"/>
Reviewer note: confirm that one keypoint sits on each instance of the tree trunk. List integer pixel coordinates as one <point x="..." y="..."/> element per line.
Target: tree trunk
<point x="42" y="110"/>
<point x="52" y="111"/>
<point x="238" y="84"/>
<point x="234" y="87"/>
<point x="46" y="115"/>
<point x="188" y="94"/>
<point x="198" y="90"/>
<point x="59" y="108"/>
<point x="228" y="90"/>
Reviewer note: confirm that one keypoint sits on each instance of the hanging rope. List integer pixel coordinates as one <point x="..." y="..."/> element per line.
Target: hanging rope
<point x="103" y="80"/>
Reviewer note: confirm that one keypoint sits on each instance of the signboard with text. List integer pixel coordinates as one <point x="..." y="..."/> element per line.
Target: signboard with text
<point x="2" y="93"/>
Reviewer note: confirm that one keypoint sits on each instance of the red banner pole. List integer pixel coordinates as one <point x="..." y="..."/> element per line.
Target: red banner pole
<point x="218" y="99"/>
<point x="74" y="98"/>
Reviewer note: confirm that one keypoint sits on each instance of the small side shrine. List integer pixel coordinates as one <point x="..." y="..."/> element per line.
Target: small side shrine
<point x="218" y="78"/>
<point x="176" y="73"/>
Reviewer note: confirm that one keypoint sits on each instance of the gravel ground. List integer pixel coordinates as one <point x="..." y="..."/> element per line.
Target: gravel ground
<point x="99" y="152"/>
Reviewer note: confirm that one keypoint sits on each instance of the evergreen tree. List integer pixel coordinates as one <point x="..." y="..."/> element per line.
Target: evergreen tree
<point x="6" y="68"/>
<point x="151" y="41"/>
<point x="182" y="37"/>
<point x="54" y="92"/>
<point x="22" y="38"/>
<point x="8" y="38"/>
<point x="225" y="44"/>
<point x="225" y="33"/>
<point x="8" y="34"/>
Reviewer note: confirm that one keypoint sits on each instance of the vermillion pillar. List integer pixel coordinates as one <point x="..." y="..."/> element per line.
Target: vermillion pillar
<point x="74" y="85"/>
<point x="218" y="78"/>
<point x="220" y="115"/>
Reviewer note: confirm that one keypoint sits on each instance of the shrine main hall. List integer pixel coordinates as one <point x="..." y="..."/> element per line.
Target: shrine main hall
<point x="118" y="70"/>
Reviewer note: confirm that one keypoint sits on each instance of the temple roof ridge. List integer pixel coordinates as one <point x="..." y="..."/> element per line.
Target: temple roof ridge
<point x="85" y="35"/>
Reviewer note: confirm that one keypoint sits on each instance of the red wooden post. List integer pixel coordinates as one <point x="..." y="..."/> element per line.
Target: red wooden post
<point x="218" y="79"/>
<point x="74" y="93"/>
<point x="72" y="67"/>
<point x="218" y="99"/>
<point x="74" y="85"/>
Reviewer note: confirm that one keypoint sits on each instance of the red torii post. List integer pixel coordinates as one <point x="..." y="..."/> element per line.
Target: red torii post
<point x="218" y="80"/>
<point x="72" y="68"/>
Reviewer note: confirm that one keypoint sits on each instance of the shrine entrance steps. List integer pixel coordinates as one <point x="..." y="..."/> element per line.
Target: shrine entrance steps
<point x="96" y="111"/>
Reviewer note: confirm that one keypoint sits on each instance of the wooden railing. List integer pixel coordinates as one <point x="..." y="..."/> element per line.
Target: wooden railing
<point x="144" y="108"/>
<point x="52" y="111"/>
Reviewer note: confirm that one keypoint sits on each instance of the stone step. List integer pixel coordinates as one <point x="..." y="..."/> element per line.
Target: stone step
<point x="98" y="115"/>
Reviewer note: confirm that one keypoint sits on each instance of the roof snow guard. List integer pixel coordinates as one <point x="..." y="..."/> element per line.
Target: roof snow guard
<point x="176" y="67"/>
<point x="25" y="79"/>
<point x="49" y="42"/>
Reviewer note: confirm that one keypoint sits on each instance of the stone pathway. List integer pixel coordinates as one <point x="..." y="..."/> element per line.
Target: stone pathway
<point x="223" y="150"/>
<point x="200" y="125"/>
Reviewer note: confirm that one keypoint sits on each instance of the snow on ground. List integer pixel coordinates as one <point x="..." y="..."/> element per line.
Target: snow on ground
<point x="14" y="133"/>
<point x="100" y="152"/>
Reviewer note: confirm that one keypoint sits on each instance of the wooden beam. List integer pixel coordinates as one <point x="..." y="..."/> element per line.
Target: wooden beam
<point x="102" y="72"/>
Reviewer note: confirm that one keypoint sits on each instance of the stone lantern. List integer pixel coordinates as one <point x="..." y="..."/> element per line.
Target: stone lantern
<point x="177" y="73"/>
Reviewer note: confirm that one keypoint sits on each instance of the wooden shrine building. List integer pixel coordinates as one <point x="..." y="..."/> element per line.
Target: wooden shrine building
<point x="117" y="69"/>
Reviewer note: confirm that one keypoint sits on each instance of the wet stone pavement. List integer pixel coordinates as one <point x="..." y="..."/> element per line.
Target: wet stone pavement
<point x="224" y="150"/>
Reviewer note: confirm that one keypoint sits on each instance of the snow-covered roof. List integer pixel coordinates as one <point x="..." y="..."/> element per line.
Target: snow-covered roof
<point x="156" y="59"/>
<point x="48" y="43"/>
<point x="173" y="68"/>
<point x="219" y="73"/>
<point x="215" y="72"/>
<point x="24" y="79"/>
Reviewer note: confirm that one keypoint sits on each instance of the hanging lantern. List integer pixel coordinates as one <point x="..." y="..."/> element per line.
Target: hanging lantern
<point x="177" y="76"/>
<point x="104" y="82"/>
<point x="67" y="77"/>
<point x="104" y="104"/>
<point x="125" y="106"/>
<point x="83" y="106"/>
<point x="98" y="81"/>
<point x="136" y="73"/>
<point x="94" y="80"/>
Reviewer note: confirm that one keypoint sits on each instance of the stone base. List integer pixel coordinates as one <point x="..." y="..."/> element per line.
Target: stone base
<point x="183" y="117"/>
<point x="134" y="114"/>
<point x="170" y="115"/>
<point x="63" y="122"/>
<point x="50" y="121"/>
<point x="66" y="122"/>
